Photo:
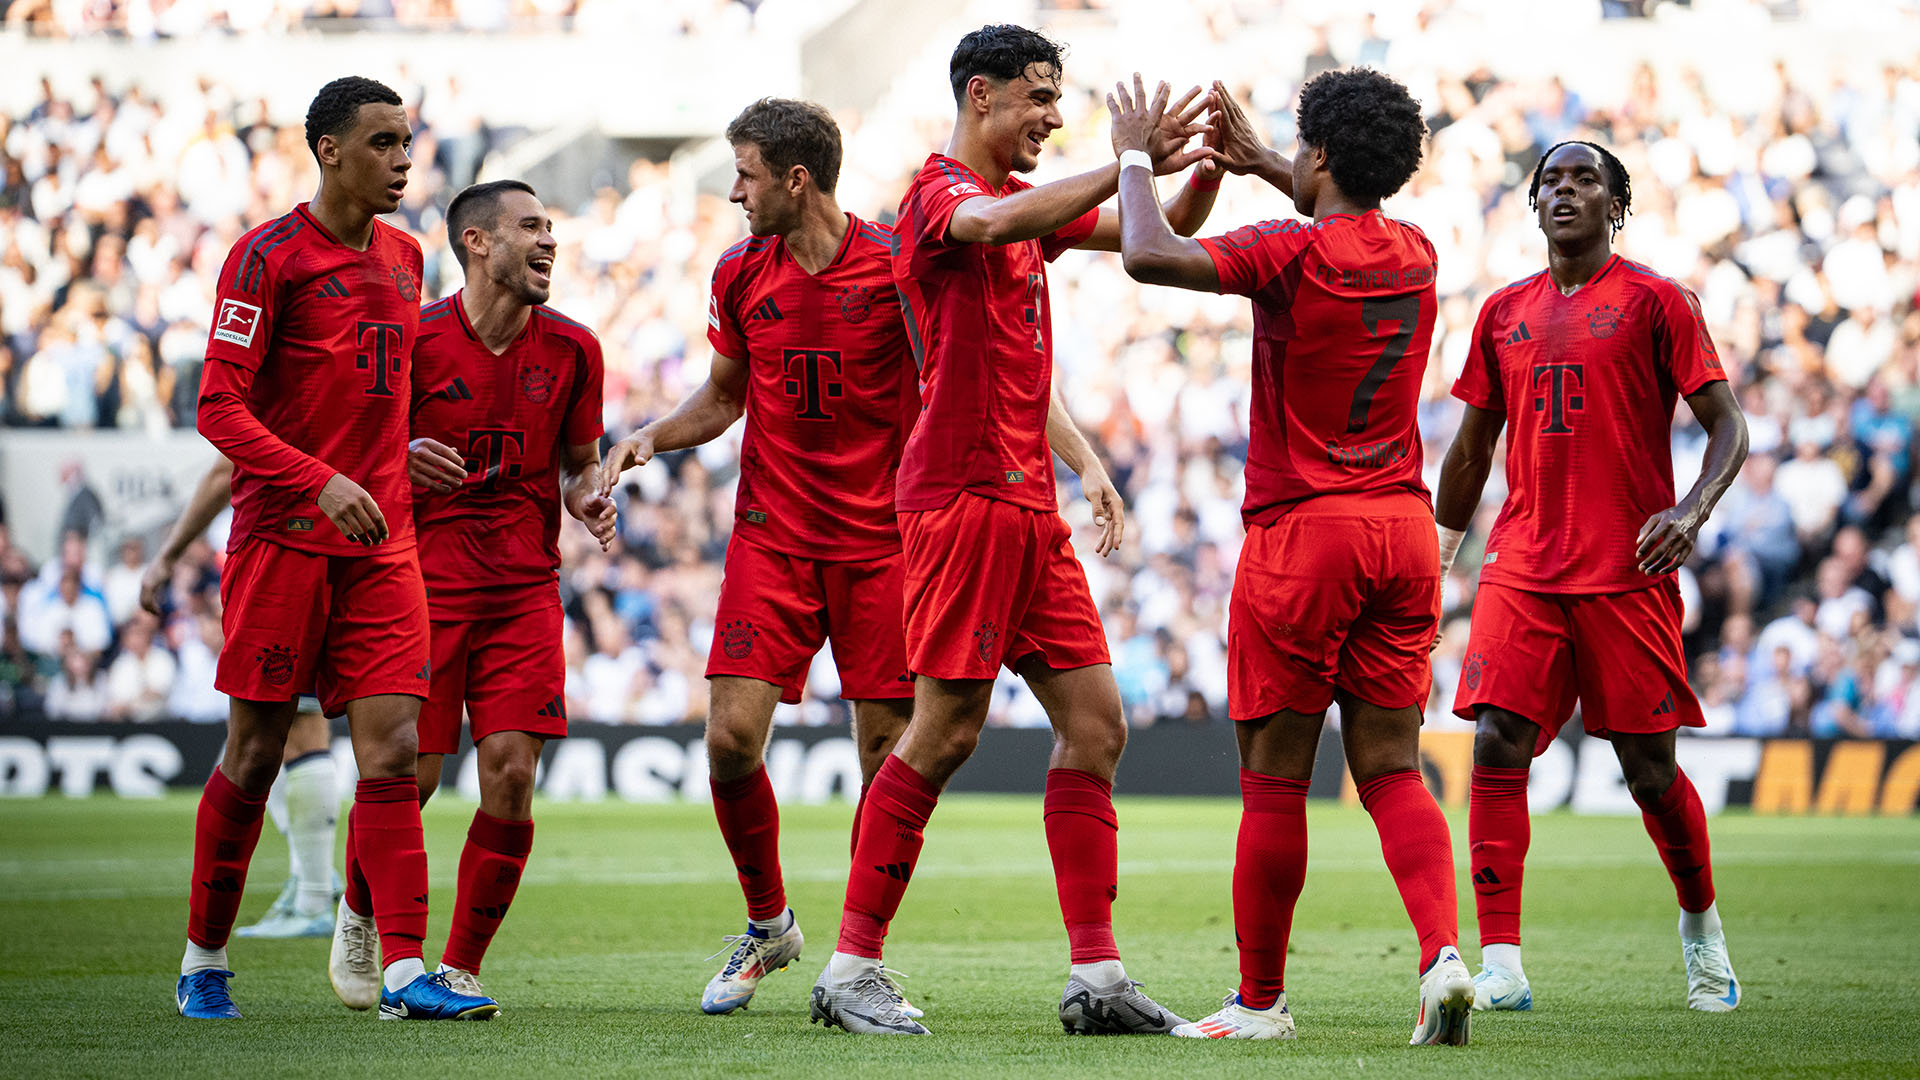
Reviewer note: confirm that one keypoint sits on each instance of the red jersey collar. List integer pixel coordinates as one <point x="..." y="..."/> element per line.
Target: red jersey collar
<point x="846" y="242"/>
<point x="372" y="237"/>
<point x="459" y="305"/>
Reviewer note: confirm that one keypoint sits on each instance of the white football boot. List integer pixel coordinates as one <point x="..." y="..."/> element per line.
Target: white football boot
<point x="1236" y="1021"/>
<point x="1446" y="1002"/>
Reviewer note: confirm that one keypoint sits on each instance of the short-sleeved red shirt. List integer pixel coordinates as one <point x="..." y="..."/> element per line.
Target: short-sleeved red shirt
<point x="983" y="335"/>
<point x="491" y="547"/>
<point x="1343" y="313"/>
<point x="830" y="393"/>
<point x="1587" y="384"/>
<point x="326" y="335"/>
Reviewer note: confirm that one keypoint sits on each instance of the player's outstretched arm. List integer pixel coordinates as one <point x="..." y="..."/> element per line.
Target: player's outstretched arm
<point x="1239" y="150"/>
<point x="1149" y="248"/>
<point x="1666" y="541"/>
<point x="1038" y="211"/>
<point x="580" y="492"/>
<point x="711" y="409"/>
<point x="1463" y="477"/>
<point x="214" y="491"/>
<point x="1109" y="513"/>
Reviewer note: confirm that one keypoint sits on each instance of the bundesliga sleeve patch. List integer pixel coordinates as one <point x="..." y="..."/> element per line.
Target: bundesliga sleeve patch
<point x="237" y="322"/>
<point x="964" y="188"/>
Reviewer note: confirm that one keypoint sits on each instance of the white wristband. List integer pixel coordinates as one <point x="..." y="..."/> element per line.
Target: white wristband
<point x="1449" y="546"/>
<point x="1132" y="158"/>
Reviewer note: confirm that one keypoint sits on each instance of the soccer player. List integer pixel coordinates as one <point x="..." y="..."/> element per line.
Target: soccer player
<point x="1582" y="363"/>
<point x="305" y="391"/>
<point x="990" y="570"/>
<point x="506" y="431"/>
<point x="302" y="802"/>
<point x="1337" y="595"/>
<point x="808" y="340"/>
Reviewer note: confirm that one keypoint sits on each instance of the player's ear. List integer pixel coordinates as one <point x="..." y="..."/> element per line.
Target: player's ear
<point x="327" y="150"/>
<point x="796" y="179"/>
<point x="980" y="94"/>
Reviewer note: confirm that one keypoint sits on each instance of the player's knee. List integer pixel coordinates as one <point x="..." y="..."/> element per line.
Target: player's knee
<point x="731" y="751"/>
<point x="511" y="780"/>
<point x="955" y="746"/>
<point x="1103" y="740"/>
<point x="1502" y="740"/>
<point x="1648" y="781"/>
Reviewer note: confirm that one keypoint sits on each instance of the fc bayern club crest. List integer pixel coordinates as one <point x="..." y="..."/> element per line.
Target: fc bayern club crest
<point x="537" y="381"/>
<point x="737" y="640"/>
<point x="856" y="303"/>
<point x="1476" y="666"/>
<point x="403" y="281"/>
<point x="1603" y="321"/>
<point x="276" y="664"/>
<point x="984" y="638"/>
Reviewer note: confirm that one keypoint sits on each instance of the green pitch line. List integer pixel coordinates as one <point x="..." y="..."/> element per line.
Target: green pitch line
<point x="600" y="966"/>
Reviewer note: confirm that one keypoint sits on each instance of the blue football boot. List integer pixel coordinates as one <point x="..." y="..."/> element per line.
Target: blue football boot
<point x="203" y="996"/>
<point x="428" y="997"/>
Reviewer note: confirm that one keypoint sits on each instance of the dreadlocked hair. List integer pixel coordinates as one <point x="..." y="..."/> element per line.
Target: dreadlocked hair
<point x="1619" y="184"/>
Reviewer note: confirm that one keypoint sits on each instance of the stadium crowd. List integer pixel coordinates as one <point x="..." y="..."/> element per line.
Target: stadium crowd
<point x="1797" y="222"/>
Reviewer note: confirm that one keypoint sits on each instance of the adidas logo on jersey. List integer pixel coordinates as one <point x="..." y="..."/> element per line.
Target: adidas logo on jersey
<point x="332" y="287"/>
<point x="1665" y="708"/>
<point x="555" y="708"/>
<point x="1519" y="335"/>
<point x="766" y="309"/>
<point x="455" y="391"/>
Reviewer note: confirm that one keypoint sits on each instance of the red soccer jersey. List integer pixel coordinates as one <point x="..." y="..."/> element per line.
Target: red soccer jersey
<point x="1342" y="320"/>
<point x="830" y="393"/>
<point x="983" y="336"/>
<point x="491" y="547"/>
<point x="315" y="339"/>
<point x="1587" y="384"/>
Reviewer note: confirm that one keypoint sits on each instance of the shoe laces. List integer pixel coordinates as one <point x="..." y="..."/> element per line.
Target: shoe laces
<point x="358" y="939"/>
<point x="462" y="982"/>
<point x="1699" y="956"/>
<point x="877" y="988"/>
<point x="744" y="947"/>
<point x="210" y="988"/>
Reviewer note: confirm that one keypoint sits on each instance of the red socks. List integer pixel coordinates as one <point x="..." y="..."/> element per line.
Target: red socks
<point x="892" y="831"/>
<point x="1269" y="867"/>
<point x="224" y="832"/>
<point x="1419" y="853"/>
<point x="1498" y="832"/>
<point x="853" y="839"/>
<point x="750" y="824"/>
<point x="1083" y="838"/>
<point x="391" y="855"/>
<point x="1678" y="825"/>
<point x="359" y="900"/>
<point x="490" y="867"/>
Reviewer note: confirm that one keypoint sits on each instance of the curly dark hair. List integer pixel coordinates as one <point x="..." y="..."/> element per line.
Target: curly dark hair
<point x="1001" y="51"/>
<point x="336" y="106"/>
<point x="478" y="206"/>
<point x="1370" y="127"/>
<point x="791" y="133"/>
<point x="1619" y="184"/>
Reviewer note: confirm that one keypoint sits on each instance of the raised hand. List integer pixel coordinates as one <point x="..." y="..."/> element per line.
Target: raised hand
<point x="635" y="449"/>
<point x="435" y="466"/>
<point x="1236" y="147"/>
<point x="352" y="511"/>
<point x="1149" y="125"/>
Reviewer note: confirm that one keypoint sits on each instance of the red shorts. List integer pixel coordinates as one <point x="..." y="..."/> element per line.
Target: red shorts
<point x="1533" y="654"/>
<point x="776" y="610"/>
<point x="509" y="673"/>
<point x="337" y="626"/>
<point x="1341" y="593"/>
<point x="991" y="583"/>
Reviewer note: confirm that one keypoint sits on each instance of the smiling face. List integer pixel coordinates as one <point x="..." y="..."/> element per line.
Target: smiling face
<point x="1575" y="206"/>
<point x="1020" y="114"/>
<point x="372" y="157"/>
<point x="518" y="250"/>
<point x="772" y="206"/>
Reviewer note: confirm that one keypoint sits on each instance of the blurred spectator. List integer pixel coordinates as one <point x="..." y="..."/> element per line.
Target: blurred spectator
<point x="141" y="677"/>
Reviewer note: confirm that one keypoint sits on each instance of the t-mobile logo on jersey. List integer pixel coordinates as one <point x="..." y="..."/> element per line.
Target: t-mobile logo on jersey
<point x="1564" y="382"/>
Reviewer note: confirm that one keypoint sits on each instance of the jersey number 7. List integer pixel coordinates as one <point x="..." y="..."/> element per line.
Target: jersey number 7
<point x="1405" y="310"/>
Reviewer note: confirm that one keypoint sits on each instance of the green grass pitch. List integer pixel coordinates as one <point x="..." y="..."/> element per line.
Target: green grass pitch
<point x="600" y="966"/>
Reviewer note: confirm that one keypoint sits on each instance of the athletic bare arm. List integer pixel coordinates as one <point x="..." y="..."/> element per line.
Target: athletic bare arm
<point x="1667" y="539"/>
<point x="711" y="409"/>
<point x="1109" y="513"/>
<point x="210" y="496"/>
